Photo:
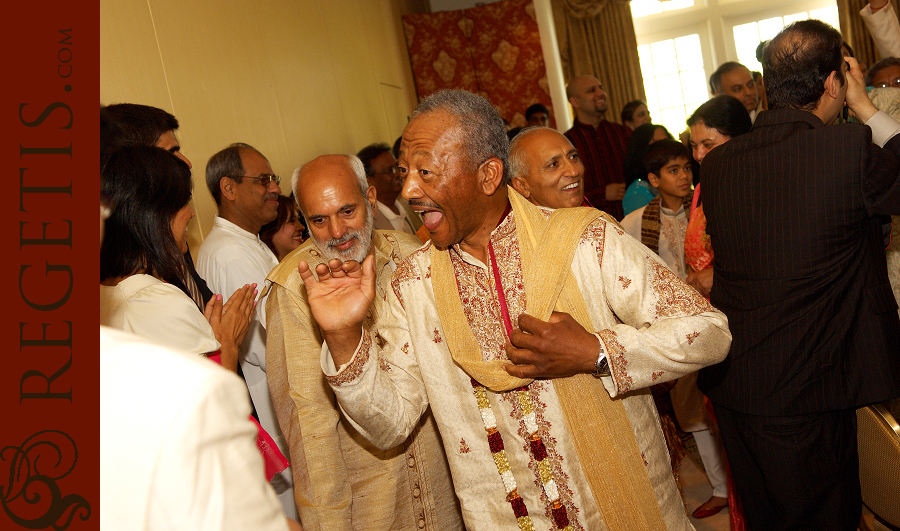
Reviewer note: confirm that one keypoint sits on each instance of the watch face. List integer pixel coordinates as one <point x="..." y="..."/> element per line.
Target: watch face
<point x="602" y="367"/>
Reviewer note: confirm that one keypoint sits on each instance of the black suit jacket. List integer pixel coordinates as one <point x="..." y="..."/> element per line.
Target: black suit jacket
<point x="793" y="211"/>
<point x="205" y="292"/>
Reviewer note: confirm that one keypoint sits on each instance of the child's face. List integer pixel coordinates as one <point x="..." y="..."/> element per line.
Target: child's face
<point x="674" y="179"/>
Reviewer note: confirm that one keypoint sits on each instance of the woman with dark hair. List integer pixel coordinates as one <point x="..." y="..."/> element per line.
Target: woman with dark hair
<point x="142" y="269"/>
<point x="639" y="191"/>
<point x="635" y="114"/>
<point x="715" y="122"/>
<point x="285" y="232"/>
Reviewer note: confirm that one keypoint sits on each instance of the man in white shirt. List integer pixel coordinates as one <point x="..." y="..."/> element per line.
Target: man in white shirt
<point x="246" y="192"/>
<point x="393" y="212"/>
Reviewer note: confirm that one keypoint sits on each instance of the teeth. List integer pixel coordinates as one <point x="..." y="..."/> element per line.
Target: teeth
<point x="571" y="186"/>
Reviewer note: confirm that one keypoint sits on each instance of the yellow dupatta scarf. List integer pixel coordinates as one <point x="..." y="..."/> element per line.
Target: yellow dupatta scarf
<point x="599" y="426"/>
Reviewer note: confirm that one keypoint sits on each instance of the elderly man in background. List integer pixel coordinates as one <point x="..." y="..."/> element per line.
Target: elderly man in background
<point x="565" y="449"/>
<point x="341" y="480"/>
<point x="545" y="169"/>
<point x="246" y="192"/>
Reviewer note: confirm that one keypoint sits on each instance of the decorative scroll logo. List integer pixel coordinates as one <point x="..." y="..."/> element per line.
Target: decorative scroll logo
<point x="32" y="499"/>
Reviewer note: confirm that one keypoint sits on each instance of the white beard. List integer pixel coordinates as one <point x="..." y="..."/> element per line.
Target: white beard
<point x="358" y="251"/>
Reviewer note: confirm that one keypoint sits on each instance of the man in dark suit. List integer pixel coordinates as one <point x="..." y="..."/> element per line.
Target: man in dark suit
<point x="793" y="212"/>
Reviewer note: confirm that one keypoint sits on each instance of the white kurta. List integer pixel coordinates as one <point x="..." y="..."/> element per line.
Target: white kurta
<point x="655" y="328"/>
<point x="177" y="450"/>
<point x="672" y="227"/>
<point x="884" y="28"/>
<point x="229" y="258"/>
<point x="156" y="310"/>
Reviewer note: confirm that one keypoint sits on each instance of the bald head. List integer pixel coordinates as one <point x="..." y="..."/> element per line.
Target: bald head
<point x="588" y="99"/>
<point x="338" y="205"/>
<point x="545" y="168"/>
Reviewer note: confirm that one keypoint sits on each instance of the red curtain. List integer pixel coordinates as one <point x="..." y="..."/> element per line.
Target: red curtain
<point x="493" y="50"/>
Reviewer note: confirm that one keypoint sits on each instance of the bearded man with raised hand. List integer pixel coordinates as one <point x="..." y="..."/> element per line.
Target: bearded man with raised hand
<point x="342" y="481"/>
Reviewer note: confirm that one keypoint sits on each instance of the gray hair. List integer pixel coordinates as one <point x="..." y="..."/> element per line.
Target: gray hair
<point x="880" y="65"/>
<point x="482" y="131"/>
<point x="225" y="163"/>
<point x="517" y="165"/>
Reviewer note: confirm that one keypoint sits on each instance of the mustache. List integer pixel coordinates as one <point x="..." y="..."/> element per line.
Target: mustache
<point x="432" y="206"/>
<point x="349" y="235"/>
<point x="272" y="195"/>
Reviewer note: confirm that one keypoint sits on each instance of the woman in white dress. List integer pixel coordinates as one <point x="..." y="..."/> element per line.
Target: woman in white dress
<point x="143" y="284"/>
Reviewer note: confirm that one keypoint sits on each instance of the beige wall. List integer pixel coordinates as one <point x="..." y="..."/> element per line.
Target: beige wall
<point x="295" y="79"/>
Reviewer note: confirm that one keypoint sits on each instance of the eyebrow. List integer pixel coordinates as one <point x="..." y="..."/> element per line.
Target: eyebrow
<point x="339" y="210"/>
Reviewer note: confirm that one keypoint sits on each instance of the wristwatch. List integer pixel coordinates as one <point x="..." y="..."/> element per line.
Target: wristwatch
<point x="601" y="367"/>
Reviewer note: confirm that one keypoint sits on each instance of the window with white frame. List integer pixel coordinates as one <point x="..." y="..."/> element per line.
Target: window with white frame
<point x="681" y="42"/>
<point x="674" y="79"/>
<point x="643" y="8"/>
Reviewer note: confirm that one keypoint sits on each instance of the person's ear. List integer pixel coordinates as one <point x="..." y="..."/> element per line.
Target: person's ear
<point x="372" y="196"/>
<point x="653" y="179"/>
<point x="520" y="185"/>
<point x="228" y="188"/>
<point x="490" y="175"/>
<point x="832" y="85"/>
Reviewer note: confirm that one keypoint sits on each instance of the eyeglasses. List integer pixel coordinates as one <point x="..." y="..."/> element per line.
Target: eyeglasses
<point x="892" y="83"/>
<point x="263" y="179"/>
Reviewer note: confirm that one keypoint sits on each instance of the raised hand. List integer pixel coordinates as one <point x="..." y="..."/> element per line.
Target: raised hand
<point x="857" y="97"/>
<point x="555" y="348"/>
<point x="339" y="300"/>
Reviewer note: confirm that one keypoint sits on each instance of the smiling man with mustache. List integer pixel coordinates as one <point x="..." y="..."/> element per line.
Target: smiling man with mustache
<point x="246" y="192"/>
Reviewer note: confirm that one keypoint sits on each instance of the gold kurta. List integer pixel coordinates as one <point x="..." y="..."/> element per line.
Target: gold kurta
<point x="655" y="328"/>
<point x="341" y="481"/>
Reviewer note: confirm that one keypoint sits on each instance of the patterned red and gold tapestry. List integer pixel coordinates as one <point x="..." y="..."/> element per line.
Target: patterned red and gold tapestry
<point x="493" y="50"/>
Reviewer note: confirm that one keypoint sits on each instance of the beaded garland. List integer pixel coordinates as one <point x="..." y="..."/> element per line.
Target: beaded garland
<point x="538" y="451"/>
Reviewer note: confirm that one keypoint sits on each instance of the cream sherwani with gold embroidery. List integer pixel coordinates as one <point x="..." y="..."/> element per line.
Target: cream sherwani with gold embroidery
<point x="341" y="481"/>
<point x="654" y="327"/>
